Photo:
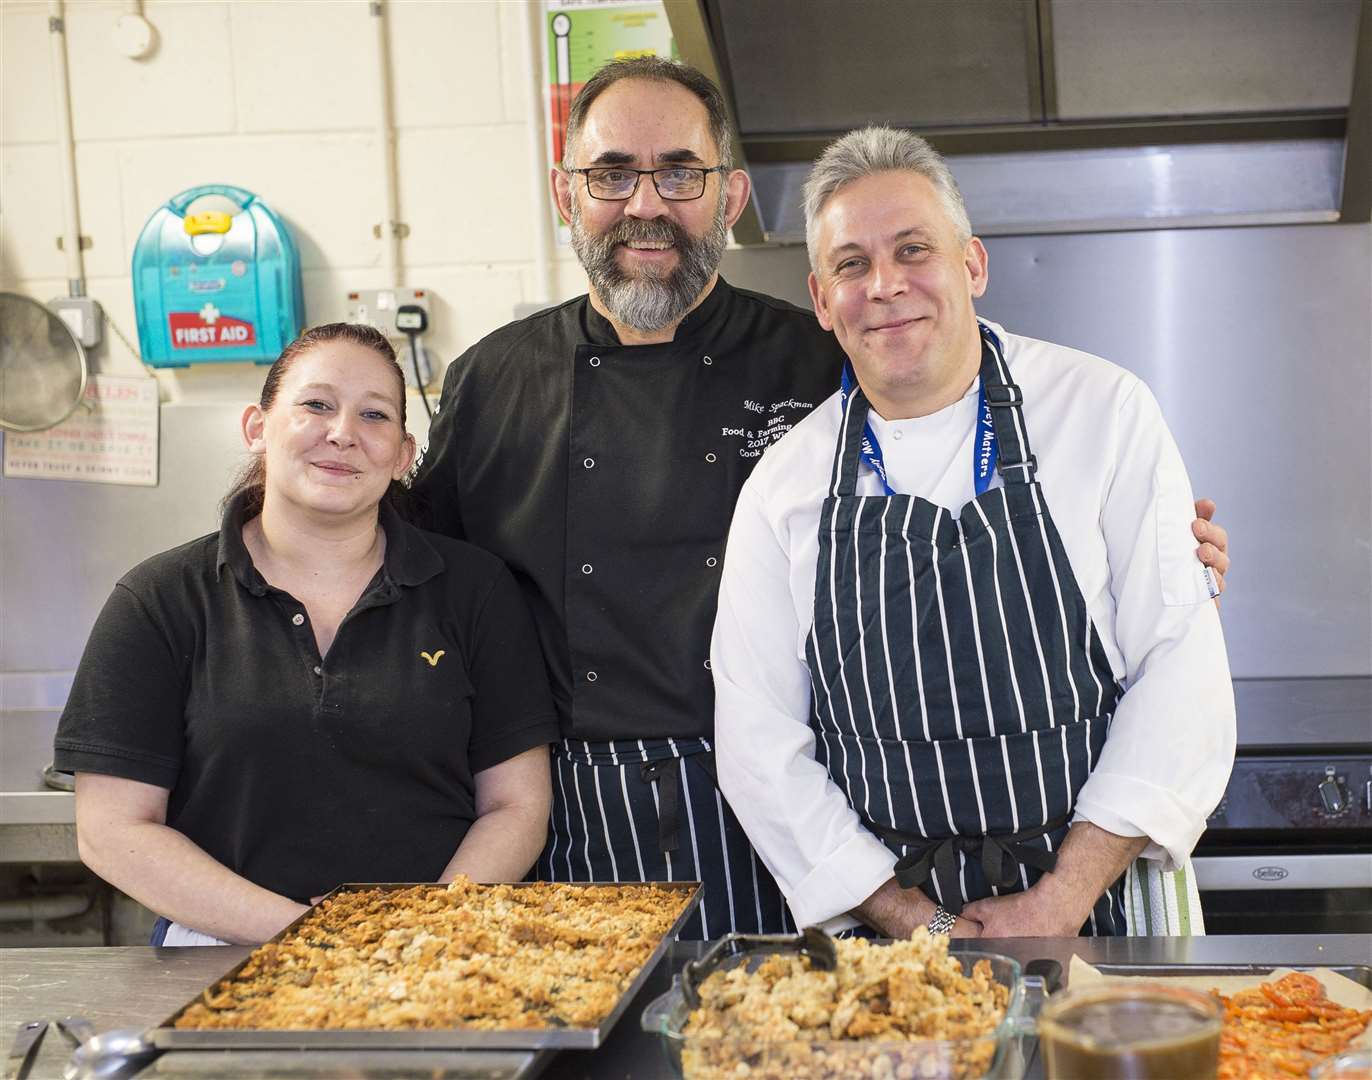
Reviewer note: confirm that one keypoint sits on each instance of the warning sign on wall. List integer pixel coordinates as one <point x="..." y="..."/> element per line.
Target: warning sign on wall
<point x="110" y="439"/>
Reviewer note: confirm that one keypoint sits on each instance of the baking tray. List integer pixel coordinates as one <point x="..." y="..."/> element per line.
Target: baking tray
<point x="167" y="1037"/>
<point x="1359" y="973"/>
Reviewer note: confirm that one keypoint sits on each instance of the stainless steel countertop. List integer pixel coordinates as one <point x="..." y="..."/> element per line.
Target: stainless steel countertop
<point x="140" y="987"/>
<point x="26" y="735"/>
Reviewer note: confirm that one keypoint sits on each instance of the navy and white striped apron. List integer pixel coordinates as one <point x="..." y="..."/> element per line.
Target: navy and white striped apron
<point x="961" y="695"/>
<point x="650" y="810"/>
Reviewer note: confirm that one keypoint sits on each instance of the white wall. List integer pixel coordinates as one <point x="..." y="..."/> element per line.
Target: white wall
<point x="279" y="96"/>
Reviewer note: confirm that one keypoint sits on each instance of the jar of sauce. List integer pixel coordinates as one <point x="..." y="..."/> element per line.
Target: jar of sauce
<point x="1143" y="1031"/>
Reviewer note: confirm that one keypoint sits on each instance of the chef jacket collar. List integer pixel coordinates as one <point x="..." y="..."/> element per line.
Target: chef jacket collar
<point x="409" y="560"/>
<point x="705" y="319"/>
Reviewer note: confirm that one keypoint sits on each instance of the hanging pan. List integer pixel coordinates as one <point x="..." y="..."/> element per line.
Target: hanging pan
<point x="42" y="366"/>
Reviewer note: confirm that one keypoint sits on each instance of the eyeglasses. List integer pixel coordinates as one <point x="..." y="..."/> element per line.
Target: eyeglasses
<point x="615" y="183"/>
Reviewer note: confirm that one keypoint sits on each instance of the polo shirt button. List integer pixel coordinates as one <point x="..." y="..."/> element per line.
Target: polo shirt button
<point x="318" y="670"/>
<point x="586" y="568"/>
<point x="595" y="361"/>
<point x="298" y="619"/>
<point x="896" y="434"/>
<point x="707" y="665"/>
<point x="706" y="361"/>
<point x="591" y="676"/>
<point x="589" y="463"/>
<point x="711" y="561"/>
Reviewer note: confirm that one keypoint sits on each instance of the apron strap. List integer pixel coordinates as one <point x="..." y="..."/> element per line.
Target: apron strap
<point x="848" y="451"/>
<point x="665" y="774"/>
<point x="1001" y="857"/>
<point x="1016" y="462"/>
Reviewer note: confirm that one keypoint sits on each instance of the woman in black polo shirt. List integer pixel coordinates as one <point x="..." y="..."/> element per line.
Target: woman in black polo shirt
<point x="319" y="692"/>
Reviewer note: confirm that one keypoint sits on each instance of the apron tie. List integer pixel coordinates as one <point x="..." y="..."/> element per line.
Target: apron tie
<point x="1001" y="857"/>
<point x="664" y="773"/>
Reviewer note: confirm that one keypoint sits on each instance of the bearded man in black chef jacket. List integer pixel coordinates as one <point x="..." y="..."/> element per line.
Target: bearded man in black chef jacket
<point x="598" y="448"/>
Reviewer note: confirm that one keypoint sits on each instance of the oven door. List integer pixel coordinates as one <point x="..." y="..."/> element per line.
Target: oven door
<point x="1286" y="891"/>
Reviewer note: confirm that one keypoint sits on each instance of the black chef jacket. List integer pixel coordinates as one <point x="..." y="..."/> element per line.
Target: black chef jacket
<point x="605" y="476"/>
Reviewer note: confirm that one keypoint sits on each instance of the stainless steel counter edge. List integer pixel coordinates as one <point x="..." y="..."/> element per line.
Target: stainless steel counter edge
<point x="141" y="986"/>
<point x="37" y="808"/>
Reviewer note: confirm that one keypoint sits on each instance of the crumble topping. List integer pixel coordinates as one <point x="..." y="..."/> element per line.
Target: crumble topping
<point x="781" y="1018"/>
<point x="461" y="955"/>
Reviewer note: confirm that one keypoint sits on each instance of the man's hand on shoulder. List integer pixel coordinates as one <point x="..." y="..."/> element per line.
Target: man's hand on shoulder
<point x="1214" y="541"/>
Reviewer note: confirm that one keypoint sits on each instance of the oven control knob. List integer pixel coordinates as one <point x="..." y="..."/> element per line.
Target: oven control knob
<point x="1332" y="794"/>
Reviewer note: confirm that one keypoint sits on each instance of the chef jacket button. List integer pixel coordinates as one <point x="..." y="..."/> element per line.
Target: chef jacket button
<point x="595" y="361"/>
<point x="710" y="458"/>
<point x="591" y="676"/>
<point x="589" y="463"/>
<point x="707" y="665"/>
<point x="706" y="360"/>
<point x="318" y="670"/>
<point x="298" y="619"/>
<point x="895" y="434"/>
<point x="711" y="561"/>
<point x="586" y="568"/>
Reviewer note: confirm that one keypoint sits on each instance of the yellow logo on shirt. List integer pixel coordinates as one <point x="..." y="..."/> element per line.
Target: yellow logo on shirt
<point x="433" y="658"/>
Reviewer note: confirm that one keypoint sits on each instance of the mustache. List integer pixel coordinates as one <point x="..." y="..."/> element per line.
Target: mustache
<point x="640" y="230"/>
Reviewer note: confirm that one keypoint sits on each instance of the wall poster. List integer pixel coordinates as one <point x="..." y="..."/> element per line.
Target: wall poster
<point x="582" y="37"/>
<point x="110" y="439"/>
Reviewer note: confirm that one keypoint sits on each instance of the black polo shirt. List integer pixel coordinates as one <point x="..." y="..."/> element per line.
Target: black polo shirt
<point x="297" y="772"/>
<point x="605" y="476"/>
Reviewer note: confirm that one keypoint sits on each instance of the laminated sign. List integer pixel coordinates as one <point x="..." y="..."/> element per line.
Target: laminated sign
<point x="581" y="39"/>
<point x="111" y="438"/>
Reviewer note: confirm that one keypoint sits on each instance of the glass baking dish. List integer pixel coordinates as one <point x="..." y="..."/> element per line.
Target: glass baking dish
<point x="997" y="1056"/>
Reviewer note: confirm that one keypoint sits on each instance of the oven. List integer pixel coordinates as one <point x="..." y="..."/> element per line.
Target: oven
<point x="1289" y="848"/>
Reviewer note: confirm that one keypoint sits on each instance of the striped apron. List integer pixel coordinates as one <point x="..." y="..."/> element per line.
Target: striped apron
<point x="650" y="810"/>
<point x="961" y="695"/>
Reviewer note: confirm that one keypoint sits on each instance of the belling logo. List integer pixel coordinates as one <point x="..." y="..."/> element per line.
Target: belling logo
<point x="1270" y="873"/>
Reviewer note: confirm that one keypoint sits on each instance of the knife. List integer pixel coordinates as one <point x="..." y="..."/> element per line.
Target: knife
<point x="26" y="1041"/>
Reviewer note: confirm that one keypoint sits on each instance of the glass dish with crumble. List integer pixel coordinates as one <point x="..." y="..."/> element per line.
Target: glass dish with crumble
<point x="811" y="1006"/>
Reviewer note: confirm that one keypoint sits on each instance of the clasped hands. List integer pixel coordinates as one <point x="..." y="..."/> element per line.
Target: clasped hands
<point x="1040" y="911"/>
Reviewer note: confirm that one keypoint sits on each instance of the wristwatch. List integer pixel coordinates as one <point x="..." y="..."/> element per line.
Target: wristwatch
<point x="942" y="921"/>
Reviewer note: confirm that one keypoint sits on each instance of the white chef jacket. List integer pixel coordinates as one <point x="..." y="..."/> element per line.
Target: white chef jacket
<point x="1122" y="502"/>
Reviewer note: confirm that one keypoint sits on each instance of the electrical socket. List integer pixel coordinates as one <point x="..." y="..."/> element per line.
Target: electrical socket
<point x="377" y="307"/>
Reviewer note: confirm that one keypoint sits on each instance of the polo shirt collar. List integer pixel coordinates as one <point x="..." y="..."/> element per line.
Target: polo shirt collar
<point x="706" y="318"/>
<point x="410" y="559"/>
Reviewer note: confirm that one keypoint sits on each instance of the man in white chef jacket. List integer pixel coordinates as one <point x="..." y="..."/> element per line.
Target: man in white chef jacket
<point x="966" y="664"/>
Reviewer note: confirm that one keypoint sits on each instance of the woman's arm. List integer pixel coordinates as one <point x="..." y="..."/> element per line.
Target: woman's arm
<point x="122" y="835"/>
<point x="513" y="799"/>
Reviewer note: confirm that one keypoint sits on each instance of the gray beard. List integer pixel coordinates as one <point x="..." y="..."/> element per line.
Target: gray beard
<point x="650" y="300"/>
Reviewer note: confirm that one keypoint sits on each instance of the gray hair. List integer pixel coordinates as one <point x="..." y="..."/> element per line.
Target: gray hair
<point x="876" y="149"/>
<point x="653" y="69"/>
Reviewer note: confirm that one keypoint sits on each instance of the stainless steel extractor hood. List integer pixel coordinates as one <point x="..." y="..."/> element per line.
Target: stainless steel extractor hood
<point x="1058" y="115"/>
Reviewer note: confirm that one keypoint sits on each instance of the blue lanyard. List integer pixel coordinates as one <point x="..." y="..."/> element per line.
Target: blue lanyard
<point x="984" y="448"/>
